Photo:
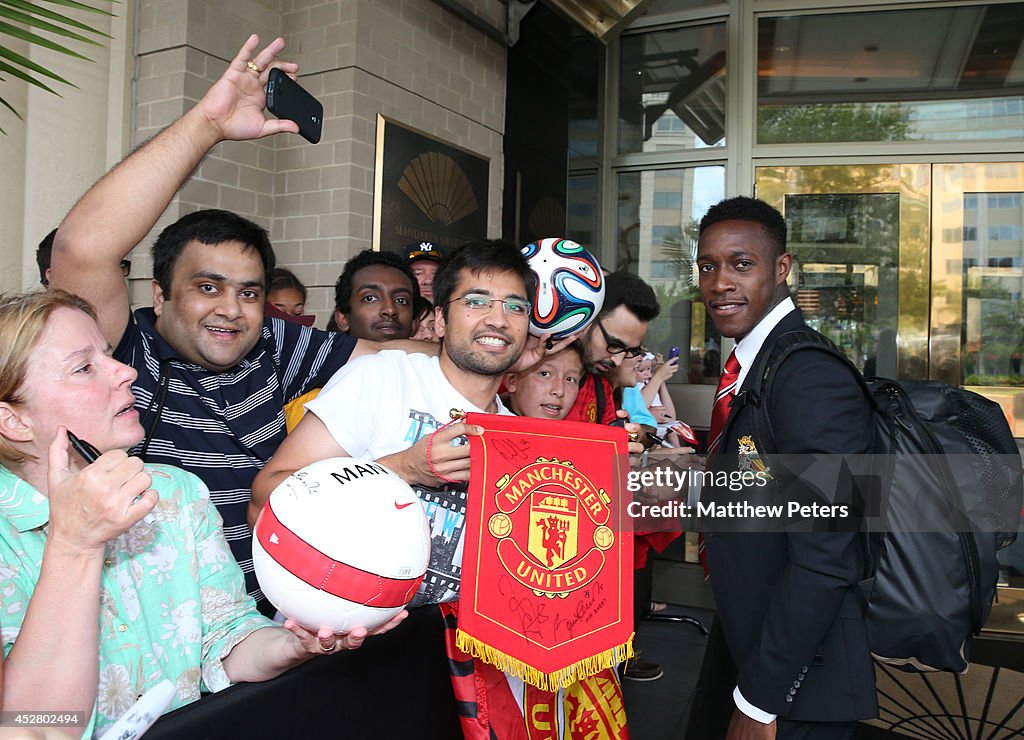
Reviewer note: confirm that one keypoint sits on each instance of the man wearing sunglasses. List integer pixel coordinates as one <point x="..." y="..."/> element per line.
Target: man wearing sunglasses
<point x="615" y="335"/>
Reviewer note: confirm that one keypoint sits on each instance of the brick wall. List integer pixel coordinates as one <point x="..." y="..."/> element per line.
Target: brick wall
<point x="409" y="60"/>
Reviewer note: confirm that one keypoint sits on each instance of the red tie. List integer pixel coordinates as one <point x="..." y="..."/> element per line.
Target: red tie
<point x="723" y="397"/>
<point x="719" y="415"/>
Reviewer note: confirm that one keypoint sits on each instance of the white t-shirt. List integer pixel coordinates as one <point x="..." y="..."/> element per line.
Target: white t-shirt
<point x="380" y="404"/>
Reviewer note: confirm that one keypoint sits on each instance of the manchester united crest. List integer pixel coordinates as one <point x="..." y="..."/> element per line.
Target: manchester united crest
<point x="750" y="459"/>
<point x="551" y="526"/>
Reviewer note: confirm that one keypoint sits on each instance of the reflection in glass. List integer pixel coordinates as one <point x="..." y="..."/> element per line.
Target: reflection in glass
<point x="658" y="217"/>
<point x="937" y="74"/>
<point x="672" y="89"/>
<point x="584" y="99"/>
<point x="581" y="211"/>
<point x="659" y="7"/>
<point x="992" y="332"/>
<point x="845" y="274"/>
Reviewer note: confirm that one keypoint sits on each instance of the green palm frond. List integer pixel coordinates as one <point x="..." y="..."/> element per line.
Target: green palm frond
<point x="36" y="23"/>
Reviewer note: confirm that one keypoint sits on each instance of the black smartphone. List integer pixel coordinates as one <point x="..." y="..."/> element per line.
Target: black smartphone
<point x="287" y="99"/>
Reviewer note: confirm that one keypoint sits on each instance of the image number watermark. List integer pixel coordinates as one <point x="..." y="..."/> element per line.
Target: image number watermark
<point x="43" y="719"/>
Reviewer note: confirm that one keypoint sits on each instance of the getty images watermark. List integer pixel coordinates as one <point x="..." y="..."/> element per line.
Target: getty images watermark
<point x="682" y="481"/>
<point x="824" y="492"/>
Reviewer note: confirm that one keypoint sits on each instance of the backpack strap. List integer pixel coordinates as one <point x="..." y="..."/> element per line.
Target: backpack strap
<point x="765" y="370"/>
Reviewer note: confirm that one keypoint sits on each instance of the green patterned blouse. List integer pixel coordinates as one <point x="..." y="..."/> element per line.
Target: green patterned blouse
<point x="172" y="599"/>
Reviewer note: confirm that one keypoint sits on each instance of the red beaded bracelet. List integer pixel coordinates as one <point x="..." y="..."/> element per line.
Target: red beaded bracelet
<point x="430" y="464"/>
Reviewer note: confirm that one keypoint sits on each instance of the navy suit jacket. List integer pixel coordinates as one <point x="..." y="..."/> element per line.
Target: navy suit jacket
<point x="788" y="600"/>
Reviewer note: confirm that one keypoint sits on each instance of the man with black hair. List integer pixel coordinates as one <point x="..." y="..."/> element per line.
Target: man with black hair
<point x="394" y="407"/>
<point x="788" y="599"/>
<point x="615" y="335"/>
<point x="213" y="374"/>
<point x="374" y="297"/>
<point x="44" y="254"/>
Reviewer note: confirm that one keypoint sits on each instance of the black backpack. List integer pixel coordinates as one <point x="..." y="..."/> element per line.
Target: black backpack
<point x="927" y="592"/>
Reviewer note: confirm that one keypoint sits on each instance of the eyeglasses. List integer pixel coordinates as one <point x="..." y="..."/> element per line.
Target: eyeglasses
<point x="126" y="267"/>
<point x="615" y="347"/>
<point x="482" y="303"/>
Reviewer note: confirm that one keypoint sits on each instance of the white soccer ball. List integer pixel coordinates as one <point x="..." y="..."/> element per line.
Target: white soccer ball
<point x="341" y="543"/>
<point x="570" y="287"/>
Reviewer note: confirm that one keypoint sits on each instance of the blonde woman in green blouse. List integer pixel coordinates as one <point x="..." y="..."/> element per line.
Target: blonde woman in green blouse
<point x="113" y="575"/>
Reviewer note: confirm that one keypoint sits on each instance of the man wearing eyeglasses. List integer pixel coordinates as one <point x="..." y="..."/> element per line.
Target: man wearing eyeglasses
<point x="394" y="407"/>
<point x="615" y="335"/>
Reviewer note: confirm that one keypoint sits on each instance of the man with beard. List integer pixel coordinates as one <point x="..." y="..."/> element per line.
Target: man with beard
<point x="394" y="407"/>
<point x="615" y="335"/>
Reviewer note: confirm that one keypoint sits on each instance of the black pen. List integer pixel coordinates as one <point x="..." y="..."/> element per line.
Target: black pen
<point x="659" y="440"/>
<point x="88" y="452"/>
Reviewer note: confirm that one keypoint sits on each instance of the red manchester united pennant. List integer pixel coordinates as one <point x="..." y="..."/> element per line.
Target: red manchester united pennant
<point x="547" y="573"/>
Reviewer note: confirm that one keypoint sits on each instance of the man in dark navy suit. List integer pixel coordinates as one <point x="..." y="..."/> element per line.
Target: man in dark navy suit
<point x="787" y="598"/>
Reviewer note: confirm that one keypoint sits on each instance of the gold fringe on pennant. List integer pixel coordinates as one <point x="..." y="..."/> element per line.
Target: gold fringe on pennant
<point x="545" y="681"/>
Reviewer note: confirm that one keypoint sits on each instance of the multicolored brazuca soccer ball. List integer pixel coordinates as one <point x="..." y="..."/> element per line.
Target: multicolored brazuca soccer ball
<point x="570" y="287"/>
<point x="341" y="543"/>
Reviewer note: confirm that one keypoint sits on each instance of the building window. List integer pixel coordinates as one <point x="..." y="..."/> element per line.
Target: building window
<point x="849" y="77"/>
<point x="1009" y="201"/>
<point x="1004" y="233"/>
<point x="658" y="244"/>
<point x="581" y="211"/>
<point x="664" y="270"/>
<point x="672" y="201"/>
<point x="672" y="89"/>
<point x="665" y="235"/>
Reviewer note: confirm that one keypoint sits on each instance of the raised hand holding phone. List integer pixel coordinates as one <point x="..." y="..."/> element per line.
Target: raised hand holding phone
<point x="667" y="369"/>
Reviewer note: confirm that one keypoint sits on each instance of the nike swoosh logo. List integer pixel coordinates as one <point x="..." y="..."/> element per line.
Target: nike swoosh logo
<point x="402" y="506"/>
